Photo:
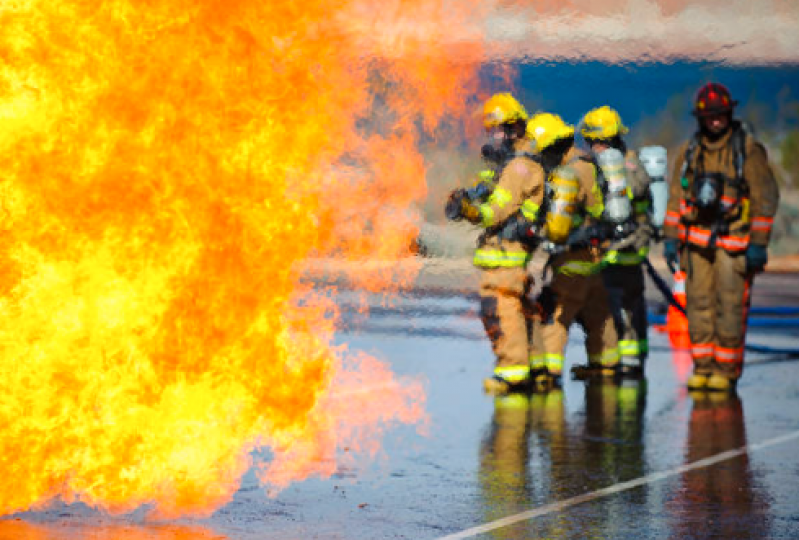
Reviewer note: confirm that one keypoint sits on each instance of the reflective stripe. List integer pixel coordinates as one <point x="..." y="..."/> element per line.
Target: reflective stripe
<point x="486" y="215"/>
<point x="762" y="224"/>
<point x="493" y="258"/>
<point x="512" y="374"/>
<point x="486" y="174"/>
<point x="628" y="347"/>
<point x="733" y="243"/>
<point x="701" y="237"/>
<point x="726" y="355"/>
<point x="608" y="358"/>
<point x="596" y="209"/>
<point x="672" y="218"/>
<point x="579" y="268"/>
<point x="626" y="258"/>
<point x="530" y="210"/>
<point x="537" y="361"/>
<point x="500" y="197"/>
<point x="701" y="349"/>
<point x="554" y="362"/>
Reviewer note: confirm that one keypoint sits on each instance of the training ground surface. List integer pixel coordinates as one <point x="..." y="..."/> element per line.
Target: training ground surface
<point x="615" y="460"/>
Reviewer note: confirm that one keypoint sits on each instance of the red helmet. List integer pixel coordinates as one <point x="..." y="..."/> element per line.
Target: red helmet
<point x="713" y="98"/>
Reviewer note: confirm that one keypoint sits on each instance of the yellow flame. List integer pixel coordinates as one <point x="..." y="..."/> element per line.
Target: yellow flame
<point x="167" y="167"/>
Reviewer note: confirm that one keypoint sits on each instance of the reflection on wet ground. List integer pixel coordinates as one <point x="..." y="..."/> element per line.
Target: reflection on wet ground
<point x="635" y="459"/>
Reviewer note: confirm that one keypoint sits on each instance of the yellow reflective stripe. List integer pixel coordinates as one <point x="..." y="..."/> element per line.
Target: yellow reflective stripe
<point x="512" y="374"/>
<point x="598" y="207"/>
<point x="579" y="268"/>
<point x="554" y="361"/>
<point x="628" y="347"/>
<point x="530" y="210"/>
<point x="626" y="258"/>
<point x="537" y="361"/>
<point x="486" y="215"/>
<point x="486" y="174"/>
<point x="512" y="401"/>
<point x="608" y="357"/>
<point x="493" y="258"/>
<point x="500" y="197"/>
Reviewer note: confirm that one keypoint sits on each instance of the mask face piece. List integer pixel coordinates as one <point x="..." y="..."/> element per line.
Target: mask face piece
<point x="707" y="193"/>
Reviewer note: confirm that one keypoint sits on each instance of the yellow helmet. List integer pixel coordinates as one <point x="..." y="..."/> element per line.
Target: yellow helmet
<point x="546" y="128"/>
<point x="602" y="123"/>
<point x="502" y="109"/>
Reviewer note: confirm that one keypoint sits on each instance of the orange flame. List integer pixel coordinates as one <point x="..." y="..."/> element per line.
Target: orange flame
<point x="168" y="169"/>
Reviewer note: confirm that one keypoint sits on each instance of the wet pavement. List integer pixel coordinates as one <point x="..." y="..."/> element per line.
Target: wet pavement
<point x="637" y="459"/>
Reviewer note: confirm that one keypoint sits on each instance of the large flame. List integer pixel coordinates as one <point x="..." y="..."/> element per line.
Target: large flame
<point x="167" y="166"/>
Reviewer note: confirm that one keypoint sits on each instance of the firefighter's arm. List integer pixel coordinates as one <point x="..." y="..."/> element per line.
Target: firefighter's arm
<point x="672" y="220"/>
<point x="590" y="192"/>
<point x="764" y="194"/>
<point x="508" y="196"/>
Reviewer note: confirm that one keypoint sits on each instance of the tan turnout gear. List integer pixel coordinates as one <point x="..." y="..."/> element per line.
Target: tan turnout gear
<point x="504" y="284"/>
<point x="713" y="248"/>
<point x="578" y="292"/>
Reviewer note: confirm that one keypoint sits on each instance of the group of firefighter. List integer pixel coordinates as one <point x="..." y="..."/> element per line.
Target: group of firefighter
<point x="595" y="212"/>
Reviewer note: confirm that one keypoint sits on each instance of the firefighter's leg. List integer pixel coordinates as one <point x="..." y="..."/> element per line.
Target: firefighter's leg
<point x="569" y="297"/>
<point x="601" y="342"/>
<point x="502" y="313"/>
<point x="535" y="343"/>
<point x="625" y="288"/>
<point x="700" y="295"/>
<point x="636" y="346"/>
<point x="732" y="309"/>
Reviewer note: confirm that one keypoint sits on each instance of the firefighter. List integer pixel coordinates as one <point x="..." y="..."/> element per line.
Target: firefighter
<point x="576" y="292"/>
<point x="627" y="225"/>
<point x="501" y="255"/>
<point x="722" y="201"/>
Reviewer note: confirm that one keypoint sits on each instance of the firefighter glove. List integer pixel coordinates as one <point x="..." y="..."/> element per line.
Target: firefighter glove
<point x="756" y="258"/>
<point x="671" y="253"/>
<point x="453" y="207"/>
<point x="469" y="210"/>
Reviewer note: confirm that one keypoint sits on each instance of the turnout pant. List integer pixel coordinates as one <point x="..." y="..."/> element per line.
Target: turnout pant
<point x="579" y="295"/>
<point x="717" y="291"/>
<point x="625" y="287"/>
<point x="506" y="312"/>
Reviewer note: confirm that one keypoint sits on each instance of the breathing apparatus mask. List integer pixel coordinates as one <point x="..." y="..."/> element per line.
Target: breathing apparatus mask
<point x="707" y="191"/>
<point x="500" y="146"/>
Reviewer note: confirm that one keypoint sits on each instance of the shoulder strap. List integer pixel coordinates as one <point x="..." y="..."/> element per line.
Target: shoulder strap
<point x="739" y="151"/>
<point x="528" y="155"/>
<point x="690" y="151"/>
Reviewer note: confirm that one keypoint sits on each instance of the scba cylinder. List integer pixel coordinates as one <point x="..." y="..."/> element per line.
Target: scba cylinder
<point x="655" y="161"/>
<point x="618" y="207"/>
<point x="565" y="190"/>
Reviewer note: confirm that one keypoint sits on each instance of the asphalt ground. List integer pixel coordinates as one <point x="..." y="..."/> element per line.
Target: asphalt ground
<point x="631" y="459"/>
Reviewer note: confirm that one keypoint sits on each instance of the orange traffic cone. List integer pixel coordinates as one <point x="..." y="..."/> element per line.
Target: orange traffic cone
<point x="676" y="322"/>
